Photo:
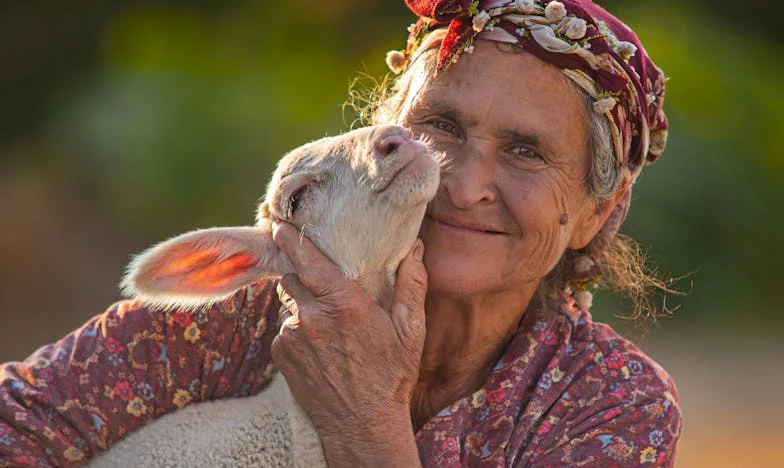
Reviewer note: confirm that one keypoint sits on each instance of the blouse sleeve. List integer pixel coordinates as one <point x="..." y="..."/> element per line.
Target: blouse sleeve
<point x="129" y="365"/>
<point x="621" y="410"/>
<point x="641" y="435"/>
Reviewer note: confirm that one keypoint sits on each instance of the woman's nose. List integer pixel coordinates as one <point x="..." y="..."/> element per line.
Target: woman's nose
<point x="470" y="176"/>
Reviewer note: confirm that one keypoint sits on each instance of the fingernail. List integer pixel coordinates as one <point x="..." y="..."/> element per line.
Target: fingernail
<point x="419" y="249"/>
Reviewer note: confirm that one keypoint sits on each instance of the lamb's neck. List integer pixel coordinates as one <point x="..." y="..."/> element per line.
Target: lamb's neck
<point x="380" y="286"/>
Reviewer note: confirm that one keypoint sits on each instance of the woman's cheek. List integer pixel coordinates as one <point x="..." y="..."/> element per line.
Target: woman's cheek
<point x="537" y="210"/>
<point x="553" y="247"/>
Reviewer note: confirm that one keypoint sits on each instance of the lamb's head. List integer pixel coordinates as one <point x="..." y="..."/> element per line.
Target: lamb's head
<point x="360" y="197"/>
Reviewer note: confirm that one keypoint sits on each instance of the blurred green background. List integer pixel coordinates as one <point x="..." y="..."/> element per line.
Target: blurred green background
<point x="123" y="123"/>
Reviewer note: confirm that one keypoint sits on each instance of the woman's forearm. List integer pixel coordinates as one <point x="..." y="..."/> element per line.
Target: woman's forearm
<point x="387" y="442"/>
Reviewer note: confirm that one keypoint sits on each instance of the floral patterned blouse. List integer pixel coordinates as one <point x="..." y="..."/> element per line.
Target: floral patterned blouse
<point x="567" y="392"/>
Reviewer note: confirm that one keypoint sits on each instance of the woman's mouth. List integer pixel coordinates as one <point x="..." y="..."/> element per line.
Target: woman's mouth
<point x="463" y="227"/>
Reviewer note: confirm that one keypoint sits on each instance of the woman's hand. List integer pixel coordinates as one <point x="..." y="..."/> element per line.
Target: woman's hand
<point x="350" y="364"/>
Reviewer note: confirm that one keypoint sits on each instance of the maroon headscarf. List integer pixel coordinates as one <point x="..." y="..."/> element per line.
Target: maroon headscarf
<point x="592" y="47"/>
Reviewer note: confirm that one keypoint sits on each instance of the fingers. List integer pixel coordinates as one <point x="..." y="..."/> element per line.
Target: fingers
<point x="315" y="270"/>
<point x="292" y="294"/>
<point x="408" y="304"/>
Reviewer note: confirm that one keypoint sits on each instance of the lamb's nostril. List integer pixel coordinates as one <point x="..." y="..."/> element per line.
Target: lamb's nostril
<point x="390" y="144"/>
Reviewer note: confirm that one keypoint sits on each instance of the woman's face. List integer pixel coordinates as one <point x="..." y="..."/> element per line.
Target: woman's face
<point x="515" y="134"/>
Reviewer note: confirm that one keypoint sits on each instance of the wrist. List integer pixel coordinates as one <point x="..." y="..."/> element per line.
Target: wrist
<point x="386" y="441"/>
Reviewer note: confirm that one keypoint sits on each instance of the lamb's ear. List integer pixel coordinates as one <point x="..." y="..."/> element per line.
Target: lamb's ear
<point x="205" y="266"/>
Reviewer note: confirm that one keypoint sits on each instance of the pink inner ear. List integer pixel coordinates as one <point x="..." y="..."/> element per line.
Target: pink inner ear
<point x="190" y="260"/>
<point x="216" y="275"/>
<point x="203" y="265"/>
<point x="200" y="269"/>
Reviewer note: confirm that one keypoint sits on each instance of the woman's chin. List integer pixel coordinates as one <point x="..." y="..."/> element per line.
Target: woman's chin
<point x="456" y="276"/>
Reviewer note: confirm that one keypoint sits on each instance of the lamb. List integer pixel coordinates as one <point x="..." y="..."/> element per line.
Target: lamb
<point x="360" y="197"/>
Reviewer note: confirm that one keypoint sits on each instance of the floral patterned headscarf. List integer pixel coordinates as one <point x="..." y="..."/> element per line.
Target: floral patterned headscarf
<point x="592" y="47"/>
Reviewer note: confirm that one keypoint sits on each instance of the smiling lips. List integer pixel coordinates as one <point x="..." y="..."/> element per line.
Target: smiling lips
<point x="465" y="226"/>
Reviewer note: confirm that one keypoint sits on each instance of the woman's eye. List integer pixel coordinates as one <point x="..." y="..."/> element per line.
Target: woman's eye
<point x="524" y="152"/>
<point x="444" y="126"/>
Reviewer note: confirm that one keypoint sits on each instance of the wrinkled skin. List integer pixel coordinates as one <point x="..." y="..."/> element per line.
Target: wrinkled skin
<point x="516" y="138"/>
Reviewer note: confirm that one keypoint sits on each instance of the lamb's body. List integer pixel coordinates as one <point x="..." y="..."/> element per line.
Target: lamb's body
<point x="361" y="198"/>
<point x="265" y="430"/>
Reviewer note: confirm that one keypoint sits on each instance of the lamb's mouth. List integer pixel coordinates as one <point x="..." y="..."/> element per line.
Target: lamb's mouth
<point x="391" y="179"/>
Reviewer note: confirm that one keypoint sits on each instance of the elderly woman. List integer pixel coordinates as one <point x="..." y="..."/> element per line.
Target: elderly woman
<point x="546" y="112"/>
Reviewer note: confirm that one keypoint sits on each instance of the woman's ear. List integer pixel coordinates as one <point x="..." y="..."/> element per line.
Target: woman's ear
<point x="204" y="266"/>
<point x="594" y="221"/>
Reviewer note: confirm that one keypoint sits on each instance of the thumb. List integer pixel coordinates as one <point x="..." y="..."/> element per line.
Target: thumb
<point x="408" y="304"/>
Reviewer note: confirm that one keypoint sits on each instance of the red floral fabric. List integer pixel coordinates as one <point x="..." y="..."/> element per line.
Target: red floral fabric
<point x="127" y="366"/>
<point x="567" y="391"/>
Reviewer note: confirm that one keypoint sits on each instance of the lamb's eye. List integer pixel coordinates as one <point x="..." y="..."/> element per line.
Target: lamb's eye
<point x="294" y="199"/>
